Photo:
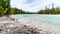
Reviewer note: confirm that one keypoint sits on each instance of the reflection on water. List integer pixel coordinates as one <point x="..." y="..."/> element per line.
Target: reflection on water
<point x="47" y="22"/>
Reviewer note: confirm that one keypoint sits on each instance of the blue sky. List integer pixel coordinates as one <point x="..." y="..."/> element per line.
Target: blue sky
<point x="34" y="5"/>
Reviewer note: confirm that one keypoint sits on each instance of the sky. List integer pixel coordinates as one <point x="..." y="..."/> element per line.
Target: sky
<point x="34" y="5"/>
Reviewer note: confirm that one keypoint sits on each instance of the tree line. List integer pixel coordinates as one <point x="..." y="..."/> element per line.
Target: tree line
<point x="49" y="11"/>
<point x="5" y="8"/>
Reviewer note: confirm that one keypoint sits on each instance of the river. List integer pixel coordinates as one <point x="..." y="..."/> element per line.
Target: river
<point x="46" y="22"/>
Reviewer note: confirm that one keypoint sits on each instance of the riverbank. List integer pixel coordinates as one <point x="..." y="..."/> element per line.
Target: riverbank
<point x="12" y="26"/>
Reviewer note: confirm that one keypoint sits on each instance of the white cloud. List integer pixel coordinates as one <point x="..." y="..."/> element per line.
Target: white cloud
<point x="33" y="5"/>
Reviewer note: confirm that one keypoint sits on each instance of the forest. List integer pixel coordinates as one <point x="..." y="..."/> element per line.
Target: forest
<point x="49" y="11"/>
<point x="5" y="8"/>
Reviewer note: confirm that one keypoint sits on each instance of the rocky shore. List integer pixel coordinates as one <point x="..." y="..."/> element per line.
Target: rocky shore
<point x="9" y="25"/>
